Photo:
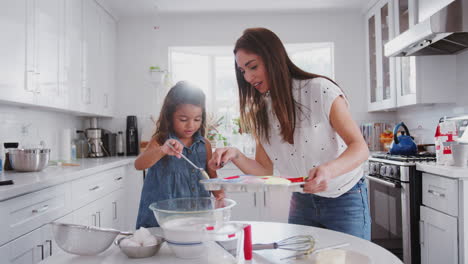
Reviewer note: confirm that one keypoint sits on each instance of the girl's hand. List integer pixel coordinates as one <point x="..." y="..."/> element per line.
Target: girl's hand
<point x="176" y="145"/>
<point x="221" y="156"/>
<point x="219" y="195"/>
<point x="318" y="179"/>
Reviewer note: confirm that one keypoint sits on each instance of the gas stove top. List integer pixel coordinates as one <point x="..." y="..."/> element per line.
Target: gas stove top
<point x="423" y="157"/>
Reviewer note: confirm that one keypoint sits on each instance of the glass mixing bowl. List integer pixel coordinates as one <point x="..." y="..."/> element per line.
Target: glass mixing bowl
<point x="188" y="223"/>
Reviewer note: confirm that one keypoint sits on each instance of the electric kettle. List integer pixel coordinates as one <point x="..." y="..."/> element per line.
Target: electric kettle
<point x="403" y="144"/>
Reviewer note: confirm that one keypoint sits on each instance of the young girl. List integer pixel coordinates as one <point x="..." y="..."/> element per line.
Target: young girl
<point x="181" y="124"/>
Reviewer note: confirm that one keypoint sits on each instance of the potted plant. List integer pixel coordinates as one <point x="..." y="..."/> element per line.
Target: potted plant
<point x="212" y="125"/>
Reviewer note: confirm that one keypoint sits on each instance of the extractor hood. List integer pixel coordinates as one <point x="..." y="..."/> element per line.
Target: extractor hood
<point x="443" y="32"/>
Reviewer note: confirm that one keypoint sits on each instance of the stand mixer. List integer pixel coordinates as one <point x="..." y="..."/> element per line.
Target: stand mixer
<point x="94" y="136"/>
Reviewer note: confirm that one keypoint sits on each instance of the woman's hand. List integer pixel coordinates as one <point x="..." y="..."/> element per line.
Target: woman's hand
<point x="176" y="149"/>
<point x="318" y="179"/>
<point x="221" y="156"/>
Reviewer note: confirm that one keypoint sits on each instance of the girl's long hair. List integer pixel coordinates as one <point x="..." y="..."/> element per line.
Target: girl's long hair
<point x="182" y="93"/>
<point x="280" y="72"/>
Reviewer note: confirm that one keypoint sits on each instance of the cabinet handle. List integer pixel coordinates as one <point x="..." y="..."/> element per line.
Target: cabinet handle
<point x="255" y="199"/>
<point x="264" y="199"/>
<point x="50" y="246"/>
<point x="99" y="218"/>
<point x="106" y="100"/>
<point x="94" y="219"/>
<point x="40" y="210"/>
<point x="119" y="178"/>
<point x="42" y="251"/>
<point x="442" y="195"/>
<point x="421" y="233"/>
<point x="89" y="95"/>
<point x="94" y="188"/>
<point x="115" y="210"/>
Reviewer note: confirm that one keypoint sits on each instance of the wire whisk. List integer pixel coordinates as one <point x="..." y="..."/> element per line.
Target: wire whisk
<point x="302" y="243"/>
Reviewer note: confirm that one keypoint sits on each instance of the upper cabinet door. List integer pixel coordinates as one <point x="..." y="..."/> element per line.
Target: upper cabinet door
<point x="47" y="14"/>
<point x="107" y="51"/>
<point x="418" y="79"/>
<point x="91" y="57"/>
<point x="12" y="52"/>
<point x="381" y="70"/>
<point x="71" y="67"/>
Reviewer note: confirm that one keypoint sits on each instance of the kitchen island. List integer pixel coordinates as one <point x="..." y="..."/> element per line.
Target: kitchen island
<point x="358" y="252"/>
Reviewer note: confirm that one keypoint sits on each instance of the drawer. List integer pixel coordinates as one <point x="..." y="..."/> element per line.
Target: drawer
<point x="118" y="176"/>
<point x="28" y="212"/>
<point x="91" y="188"/>
<point x="440" y="193"/>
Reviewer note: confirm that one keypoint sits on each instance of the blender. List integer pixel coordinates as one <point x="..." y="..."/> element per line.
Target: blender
<point x="94" y="136"/>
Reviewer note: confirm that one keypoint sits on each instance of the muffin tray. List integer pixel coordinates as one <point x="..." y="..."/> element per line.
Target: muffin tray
<point x="250" y="183"/>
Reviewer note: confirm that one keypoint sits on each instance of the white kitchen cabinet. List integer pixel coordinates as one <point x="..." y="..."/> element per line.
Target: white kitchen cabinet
<point x="50" y="246"/>
<point x="91" y="56"/>
<point x="380" y="69"/>
<point x="107" y="51"/>
<point x="249" y="206"/>
<point x="441" y="220"/>
<point x="132" y="193"/>
<point x="28" y="212"/>
<point x="271" y="206"/>
<point x="106" y="212"/>
<point x="27" y="249"/>
<point x="117" y="210"/>
<point x="42" y="53"/>
<point x="58" y="54"/>
<point x="71" y="70"/>
<point x="439" y="238"/>
<point x="276" y="206"/>
<point x="394" y="82"/>
<point x="12" y="52"/>
<point x="32" y="247"/>
<point x="423" y="79"/>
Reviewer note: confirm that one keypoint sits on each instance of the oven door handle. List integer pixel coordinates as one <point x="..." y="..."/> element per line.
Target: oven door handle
<point x="383" y="182"/>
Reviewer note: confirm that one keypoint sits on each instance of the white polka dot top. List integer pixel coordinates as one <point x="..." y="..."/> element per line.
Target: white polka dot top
<point x="315" y="141"/>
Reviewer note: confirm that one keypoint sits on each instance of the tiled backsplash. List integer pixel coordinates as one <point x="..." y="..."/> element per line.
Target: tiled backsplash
<point x="30" y="126"/>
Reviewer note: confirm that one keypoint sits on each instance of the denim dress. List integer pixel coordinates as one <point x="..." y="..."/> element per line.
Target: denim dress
<point x="171" y="178"/>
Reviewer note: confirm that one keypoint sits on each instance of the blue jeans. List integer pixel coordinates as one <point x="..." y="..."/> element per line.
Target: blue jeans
<point x="348" y="213"/>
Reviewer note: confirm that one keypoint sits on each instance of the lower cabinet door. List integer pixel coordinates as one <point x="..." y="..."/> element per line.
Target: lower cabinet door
<point x="276" y="206"/>
<point x="86" y="215"/>
<point x="50" y="247"/>
<point x="439" y="237"/>
<point x="249" y="206"/>
<point x="27" y="249"/>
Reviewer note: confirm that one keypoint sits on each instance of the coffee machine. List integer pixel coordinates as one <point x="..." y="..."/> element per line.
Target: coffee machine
<point x="94" y="136"/>
<point x="132" y="136"/>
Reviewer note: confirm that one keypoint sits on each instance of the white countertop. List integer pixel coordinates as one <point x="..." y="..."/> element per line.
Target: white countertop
<point x="26" y="182"/>
<point x="447" y="171"/>
<point x="358" y="252"/>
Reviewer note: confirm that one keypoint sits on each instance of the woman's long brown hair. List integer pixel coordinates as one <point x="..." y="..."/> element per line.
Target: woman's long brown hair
<point x="181" y="93"/>
<point x="280" y="72"/>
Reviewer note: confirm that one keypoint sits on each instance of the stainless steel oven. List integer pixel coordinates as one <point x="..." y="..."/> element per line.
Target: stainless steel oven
<point x="394" y="200"/>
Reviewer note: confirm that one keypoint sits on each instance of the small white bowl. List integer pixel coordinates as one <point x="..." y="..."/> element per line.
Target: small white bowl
<point x="140" y="252"/>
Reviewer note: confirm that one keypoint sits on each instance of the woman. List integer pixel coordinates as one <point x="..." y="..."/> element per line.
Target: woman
<point x="302" y="126"/>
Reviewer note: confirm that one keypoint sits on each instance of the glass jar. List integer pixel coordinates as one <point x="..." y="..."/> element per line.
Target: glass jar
<point x="82" y="145"/>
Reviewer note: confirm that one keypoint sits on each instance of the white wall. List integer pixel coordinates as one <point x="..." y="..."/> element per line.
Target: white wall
<point x="427" y="116"/>
<point x="29" y="126"/>
<point x="140" y="46"/>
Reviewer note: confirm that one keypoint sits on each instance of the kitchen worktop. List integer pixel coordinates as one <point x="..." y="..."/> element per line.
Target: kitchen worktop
<point x="359" y="251"/>
<point x="26" y="182"/>
<point x="447" y="171"/>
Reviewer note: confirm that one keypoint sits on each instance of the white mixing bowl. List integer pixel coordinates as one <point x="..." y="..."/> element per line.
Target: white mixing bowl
<point x="187" y="222"/>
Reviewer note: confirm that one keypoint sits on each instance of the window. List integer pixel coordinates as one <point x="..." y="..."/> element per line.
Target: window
<point x="212" y="70"/>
